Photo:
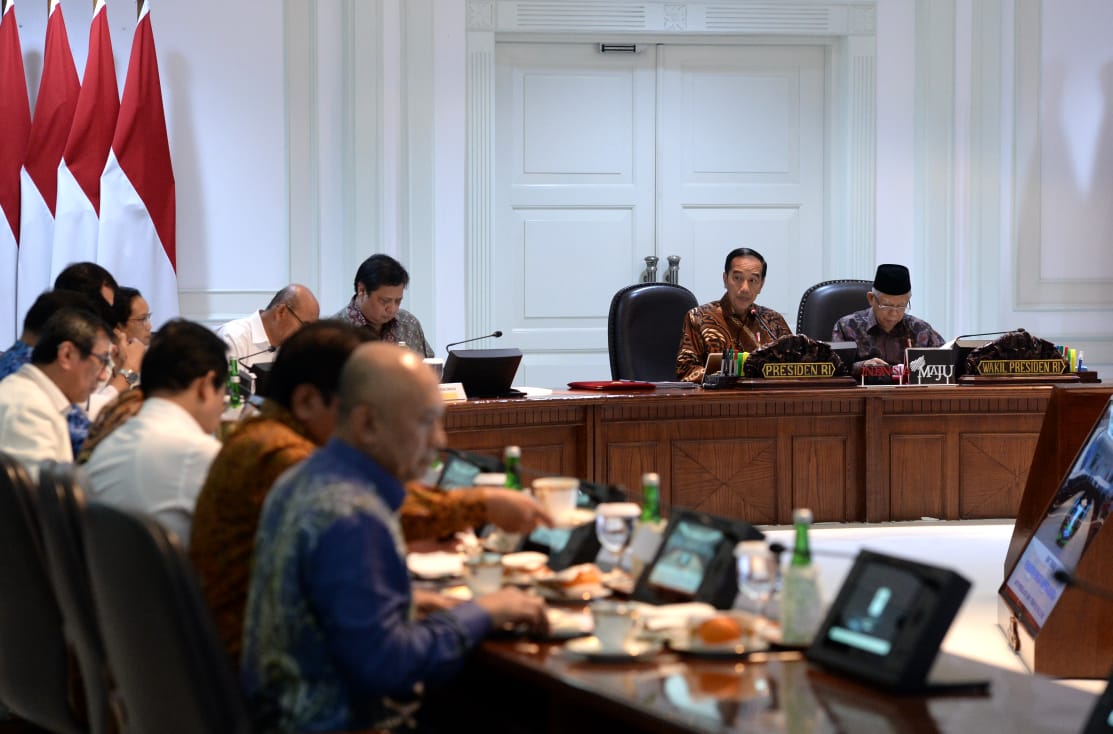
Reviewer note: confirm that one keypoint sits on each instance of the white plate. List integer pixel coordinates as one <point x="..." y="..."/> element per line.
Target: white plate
<point x="574" y="594"/>
<point x="524" y="561"/>
<point x="592" y="649"/>
<point x="575" y="518"/>
<point x="698" y="648"/>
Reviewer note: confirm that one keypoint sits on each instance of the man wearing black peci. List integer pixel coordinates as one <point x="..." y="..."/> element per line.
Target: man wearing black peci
<point x="885" y="330"/>
<point x="734" y="321"/>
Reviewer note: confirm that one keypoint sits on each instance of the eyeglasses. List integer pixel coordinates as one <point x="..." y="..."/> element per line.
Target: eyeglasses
<point x="888" y="307"/>
<point x="104" y="359"/>
<point x="145" y="317"/>
<point x="294" y="314"/>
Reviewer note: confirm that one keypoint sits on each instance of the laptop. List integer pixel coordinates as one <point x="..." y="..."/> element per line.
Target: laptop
<point x="484" y="373"/>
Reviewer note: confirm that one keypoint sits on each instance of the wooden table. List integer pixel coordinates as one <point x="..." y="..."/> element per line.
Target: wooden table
<point x="850" y="454"/>
<point x="536" y="687"/>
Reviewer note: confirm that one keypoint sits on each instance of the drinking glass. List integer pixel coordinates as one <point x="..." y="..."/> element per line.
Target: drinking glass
<point x="757" y="576"/>
<point x="614" y="526"/>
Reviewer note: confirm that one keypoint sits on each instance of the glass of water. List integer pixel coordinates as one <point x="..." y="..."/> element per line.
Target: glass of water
<point x="757" y="576"/>
<point x="614" y="526"/>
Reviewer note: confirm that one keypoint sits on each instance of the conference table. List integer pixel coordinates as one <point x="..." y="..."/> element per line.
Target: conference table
<point x="851" y="454"/>
<point x="524" y="686"/>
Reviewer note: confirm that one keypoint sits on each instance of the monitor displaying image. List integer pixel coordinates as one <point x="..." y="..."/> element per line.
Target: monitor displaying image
<point x="1074" y="516"/>
<point x="688" y="552"/>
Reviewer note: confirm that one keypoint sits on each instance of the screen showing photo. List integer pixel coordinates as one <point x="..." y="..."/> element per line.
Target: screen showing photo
<point x="1073" y="518"/>
<point x="688" y="551"/>
<point x="876" y="609"/>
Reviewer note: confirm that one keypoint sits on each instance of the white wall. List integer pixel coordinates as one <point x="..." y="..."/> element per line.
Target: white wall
<point x="308" y="134"/>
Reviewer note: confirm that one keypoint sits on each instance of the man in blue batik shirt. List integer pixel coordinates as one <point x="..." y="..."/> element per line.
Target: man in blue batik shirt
<point x="331" y="642"/>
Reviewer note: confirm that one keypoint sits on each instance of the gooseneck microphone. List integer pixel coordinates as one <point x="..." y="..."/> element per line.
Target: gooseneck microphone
<point x="1067" y="579"/>
<point x="778" y="548"/>
<point x="756" y="315"/>
<point x="988" y="333"/>
<point x="494" y="334"/>
<point x="254" y="354"/>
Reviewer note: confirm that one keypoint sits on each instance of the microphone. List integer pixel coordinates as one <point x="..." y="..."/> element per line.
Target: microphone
<point x="254" y="354"/>
<point x="988" y="333"/>
<point x="756" y="315"/>
<point x="778" y="548"/>
<point x="1067" y="579"/>
<point x="494" y="334"/>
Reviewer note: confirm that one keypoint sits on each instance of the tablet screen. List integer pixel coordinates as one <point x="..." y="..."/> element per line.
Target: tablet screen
<point x="684" y="560"/>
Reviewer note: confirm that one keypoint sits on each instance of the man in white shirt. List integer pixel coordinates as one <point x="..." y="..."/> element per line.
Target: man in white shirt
<point x="250" y="339"/>
<point x="157" y="461"/>
<point x="69" y="359"/>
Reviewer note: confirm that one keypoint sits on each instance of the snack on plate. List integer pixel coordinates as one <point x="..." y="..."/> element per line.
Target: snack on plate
<point x="584" y="574"/>
<point x="721" y="629"/>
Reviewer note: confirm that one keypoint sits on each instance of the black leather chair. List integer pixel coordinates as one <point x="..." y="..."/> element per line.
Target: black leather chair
<point x="61" y="502"/>
<point x="825" y="303"/>
<point x="171" y="673"/>
<point x="643" y="330"/>
<point x="35" y="667"/>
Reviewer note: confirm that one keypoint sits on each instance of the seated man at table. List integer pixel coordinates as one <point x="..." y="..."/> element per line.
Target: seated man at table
<point x="885" y="329"/>
<point x="156" y="461"/>
<point x="734" y="321"/>
<point x="377" y="305"/>
<point x="330" y="639"/>
<point x="40" y="400"/>
<point x="298" y="416"/>
<point x="250" y="339"/>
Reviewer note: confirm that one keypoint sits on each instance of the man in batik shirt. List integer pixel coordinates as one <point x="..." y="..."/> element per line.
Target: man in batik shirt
<point x="734" y="321"/>
<point x="377" y="305"/>
<point x="885" y="330"/>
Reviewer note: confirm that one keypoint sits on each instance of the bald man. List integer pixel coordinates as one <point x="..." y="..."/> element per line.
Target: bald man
<point x="254" y="338"/>
<point x="330" y="640"/>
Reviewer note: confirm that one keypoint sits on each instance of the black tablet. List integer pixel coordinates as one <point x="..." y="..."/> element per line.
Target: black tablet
<point x="887" y="622"/>
<point x="695" y="561"/>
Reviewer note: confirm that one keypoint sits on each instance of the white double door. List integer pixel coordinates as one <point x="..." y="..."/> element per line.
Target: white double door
<point x="605" y="158"/>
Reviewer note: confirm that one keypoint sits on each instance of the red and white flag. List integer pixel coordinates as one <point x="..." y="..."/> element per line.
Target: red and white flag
<point x="90" y="139"/>
<point x="137" y="206"/>
<point x="58" y="90"/>
<point x="15" y="121"/>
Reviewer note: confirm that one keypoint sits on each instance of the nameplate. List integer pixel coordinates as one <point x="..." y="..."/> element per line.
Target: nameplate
<point x="797" y="370"/>
<point x="931" y="366"/>
<point x="452" y="391"/>
<point x="1020" y="367"/>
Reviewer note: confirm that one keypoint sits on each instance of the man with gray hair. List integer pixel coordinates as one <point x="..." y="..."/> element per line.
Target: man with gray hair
<point x="253" y="338"/>
<point x="37" y="402"/>
<point x="331" y="642"/>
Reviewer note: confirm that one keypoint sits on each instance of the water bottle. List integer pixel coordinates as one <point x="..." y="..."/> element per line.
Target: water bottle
<point x="512" y="461"/>
<point x="235" y="399"/>
<point x="651" y="497"/>
<point x="801" y="602"/>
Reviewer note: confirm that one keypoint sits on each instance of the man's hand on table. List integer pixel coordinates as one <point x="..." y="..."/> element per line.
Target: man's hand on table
<point x="428" y="601"/>
<point x="512" y="607"/>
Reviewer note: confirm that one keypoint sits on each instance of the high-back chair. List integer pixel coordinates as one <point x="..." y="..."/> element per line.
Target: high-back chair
<point x="644" y="328"/>
<point x="61" y="502"/>
<point x="825" y="303"/>
<point x="171" y="674"/>
<point x="35" y="668"/>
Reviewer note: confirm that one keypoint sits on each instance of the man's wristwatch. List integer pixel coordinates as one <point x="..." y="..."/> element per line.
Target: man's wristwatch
<point x="131" y="376"/>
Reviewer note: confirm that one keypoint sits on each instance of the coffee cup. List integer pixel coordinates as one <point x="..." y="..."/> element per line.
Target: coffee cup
<point x="616" y="623"/>
<point x="483" y="573"/>
<point x="558" y="496"/>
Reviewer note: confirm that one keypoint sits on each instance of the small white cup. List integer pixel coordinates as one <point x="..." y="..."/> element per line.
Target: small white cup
<point x="558" y="496"/>
<point x="437" y="365"/>
<point x="483" y="573"/>
<point x="615" y="623"/>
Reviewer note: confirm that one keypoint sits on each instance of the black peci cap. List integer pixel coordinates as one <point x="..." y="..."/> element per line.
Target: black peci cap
<point x="892" y="280"/>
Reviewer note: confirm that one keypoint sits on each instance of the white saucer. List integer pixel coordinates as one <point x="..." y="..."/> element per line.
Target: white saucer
<point x="574" y="594"/>
<point x="592" y="649"/>
<point x="574" y="518"/>
<point x="735" y="649"/>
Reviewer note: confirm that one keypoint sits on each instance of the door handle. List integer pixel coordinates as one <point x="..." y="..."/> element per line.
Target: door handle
<point x="672" y="275"/>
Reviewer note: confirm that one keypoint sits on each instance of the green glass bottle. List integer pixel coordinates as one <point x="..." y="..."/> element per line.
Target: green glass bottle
<point x="801" y="602"/>
<point x="235" y="398"/>
<point x="651" y="497"/>
<point x="512" y="463"/>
